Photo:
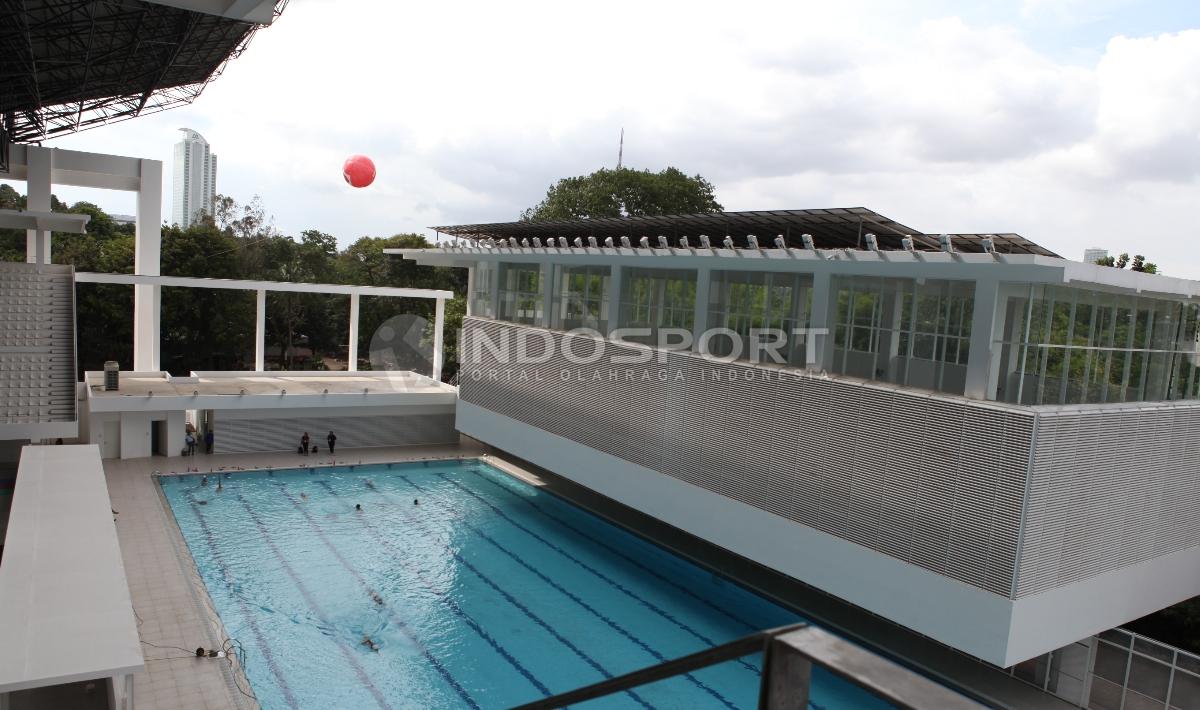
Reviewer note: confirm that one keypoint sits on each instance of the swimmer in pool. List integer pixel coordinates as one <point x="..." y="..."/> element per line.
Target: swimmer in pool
<point x="369" y="643"/>
<point x="303" y="496"/>
<point x="358" y="507"/>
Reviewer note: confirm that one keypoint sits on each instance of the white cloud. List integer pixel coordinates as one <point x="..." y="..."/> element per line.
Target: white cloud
<point x="472" y="109"/>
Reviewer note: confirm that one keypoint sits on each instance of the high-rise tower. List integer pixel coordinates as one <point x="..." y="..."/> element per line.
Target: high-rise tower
<point x="195" y="181"/>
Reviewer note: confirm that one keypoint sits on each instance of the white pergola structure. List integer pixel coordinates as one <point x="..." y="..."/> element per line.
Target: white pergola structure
<point x="42" y="168"/>
<point x="262" y="287"/>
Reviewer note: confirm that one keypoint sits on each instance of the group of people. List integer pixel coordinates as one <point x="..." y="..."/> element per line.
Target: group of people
<point x="304" y="441"/>
<point x="190" y="439"/>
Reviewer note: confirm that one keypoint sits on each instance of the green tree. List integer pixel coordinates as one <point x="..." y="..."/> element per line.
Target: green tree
<point x="1138" y="263"/>
<point x="623" y="191"/>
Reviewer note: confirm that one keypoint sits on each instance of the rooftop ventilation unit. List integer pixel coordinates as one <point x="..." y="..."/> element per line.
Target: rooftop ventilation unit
<point x="112" y="376"/>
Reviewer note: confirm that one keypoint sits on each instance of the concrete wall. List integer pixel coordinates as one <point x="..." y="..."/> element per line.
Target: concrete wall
<point x="133" y="432"/>
<point x="239" y="431"/>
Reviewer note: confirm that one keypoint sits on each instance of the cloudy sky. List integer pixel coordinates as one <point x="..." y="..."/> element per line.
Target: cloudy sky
<point x="1073" y="122"/>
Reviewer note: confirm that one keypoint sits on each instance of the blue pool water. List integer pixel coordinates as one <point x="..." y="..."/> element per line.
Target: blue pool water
<point x="487" y="593"/>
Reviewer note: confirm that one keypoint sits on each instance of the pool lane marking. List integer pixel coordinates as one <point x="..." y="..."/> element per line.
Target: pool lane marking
<point x="575" y="598"/>
<point x="612" y="582"/>
<point x="443" y="597"/>
<point x="515" y="602"/>
<point x="408" y="631"/>
<point x="312" y="603"/>
<point x="645" y="568"/>
<point x="246" y="614"/>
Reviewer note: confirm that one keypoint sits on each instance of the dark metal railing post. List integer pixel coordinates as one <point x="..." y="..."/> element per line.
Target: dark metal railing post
<point x="786" y="677"/>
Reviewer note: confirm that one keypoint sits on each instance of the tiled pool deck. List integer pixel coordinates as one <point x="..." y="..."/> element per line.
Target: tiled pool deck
<point x="172" y="607"/>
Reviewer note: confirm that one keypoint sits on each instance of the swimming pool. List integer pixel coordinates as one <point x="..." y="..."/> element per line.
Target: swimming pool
<point x="476" y="590"/>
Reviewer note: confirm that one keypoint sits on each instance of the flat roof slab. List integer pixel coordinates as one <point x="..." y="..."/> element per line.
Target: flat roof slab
<point x="64" y="601"/>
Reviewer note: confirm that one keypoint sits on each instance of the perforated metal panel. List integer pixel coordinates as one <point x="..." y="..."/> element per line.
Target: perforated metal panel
<point x="1110" y="487"/>
<point x="245" y="435"/>
<point x="931" y="480"/>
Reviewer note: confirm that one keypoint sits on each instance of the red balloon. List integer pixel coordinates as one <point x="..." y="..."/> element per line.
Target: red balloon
<point x="358" y="170"/>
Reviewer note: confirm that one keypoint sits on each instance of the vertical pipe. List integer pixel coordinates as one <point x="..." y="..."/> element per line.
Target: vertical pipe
<point x="260" y="331"/>
<point x="353" y="346"/>
<point x="439" y="324"/>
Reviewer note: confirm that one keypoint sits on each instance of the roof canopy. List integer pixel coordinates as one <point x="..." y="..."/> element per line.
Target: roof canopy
<point x="67" y="65"/>
<point x="836" y="228"/>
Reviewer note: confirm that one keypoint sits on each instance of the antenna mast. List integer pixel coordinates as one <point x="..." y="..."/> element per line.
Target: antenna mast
<point x="621" y="149"/>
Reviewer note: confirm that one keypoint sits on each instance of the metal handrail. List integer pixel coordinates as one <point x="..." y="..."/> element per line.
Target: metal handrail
<point x="789" y="652"/>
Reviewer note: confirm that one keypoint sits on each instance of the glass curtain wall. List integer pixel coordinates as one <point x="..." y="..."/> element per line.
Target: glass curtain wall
<point x="744" y="300"/>
<point x="902" y="331"/>
<point x="581" y="298"/>
<point x="481" y="290"/>
<point x="657" y="298"/>
<point x="1063" y="345"/>
<point x="521" y="293"/>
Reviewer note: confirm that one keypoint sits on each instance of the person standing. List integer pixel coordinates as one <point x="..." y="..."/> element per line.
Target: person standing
<point x="304" y="444"/>
<point x="208" y="441"/>
<point x="190" y="440"/>
<point x="332" y="439"/>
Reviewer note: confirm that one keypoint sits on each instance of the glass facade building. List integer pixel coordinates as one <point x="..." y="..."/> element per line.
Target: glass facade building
<point x="1050" y="344"/>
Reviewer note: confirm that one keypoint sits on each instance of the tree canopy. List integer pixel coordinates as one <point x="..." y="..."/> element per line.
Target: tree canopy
<point x="625" y="192"/>
<point x="1138" y="263"/>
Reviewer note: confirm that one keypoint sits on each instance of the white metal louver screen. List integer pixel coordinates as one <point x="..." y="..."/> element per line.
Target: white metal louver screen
<point x="934" y="481"/>
<point x="246" y="435"/>
<point x="1110" y="488"/>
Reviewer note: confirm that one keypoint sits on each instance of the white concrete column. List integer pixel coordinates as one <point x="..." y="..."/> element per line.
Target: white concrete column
<point x="260" y="331"/>
<point x="439" y="324"/>
<point x="147" y="299"/>
<point x="547" y="295"/>
<point x="983" y="321"/>
<point x="700" y="313"/>
<point x="471" y="289"/>
<point x="614" y="298"/>
<point x="37" y="189"/>
<point x="494" y="287"/>
<point x="353" y="348"/>
<point x="819" y="348"/>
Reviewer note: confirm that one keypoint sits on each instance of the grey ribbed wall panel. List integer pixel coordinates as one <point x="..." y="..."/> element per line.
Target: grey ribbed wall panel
<point x="283" y="434"/>
<point x="879" y="466"/>
<point x="1110" y="488"/>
